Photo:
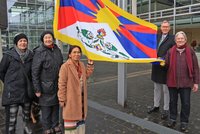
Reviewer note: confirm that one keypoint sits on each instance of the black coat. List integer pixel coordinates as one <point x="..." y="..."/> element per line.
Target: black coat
<point x="15" y="82"/>
<point x="45" y="70"/>
<point x="159" y="73"/>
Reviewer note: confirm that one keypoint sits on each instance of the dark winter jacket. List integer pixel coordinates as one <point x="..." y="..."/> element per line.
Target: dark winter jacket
<point x="45" y="70"/>
<point x="15" y="82"/>
<point x="159" y="73"/>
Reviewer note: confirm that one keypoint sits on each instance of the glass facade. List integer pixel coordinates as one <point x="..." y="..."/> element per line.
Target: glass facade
<point x="124" y="4"/>
<point x="32" y="17"/>
<point x="184" y="15"/>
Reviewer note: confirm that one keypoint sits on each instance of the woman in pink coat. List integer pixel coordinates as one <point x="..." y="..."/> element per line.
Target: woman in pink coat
<point x="72" y="91"/>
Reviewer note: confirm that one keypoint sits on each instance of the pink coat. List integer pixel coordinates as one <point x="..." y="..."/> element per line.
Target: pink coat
<point x="70" y="90"/>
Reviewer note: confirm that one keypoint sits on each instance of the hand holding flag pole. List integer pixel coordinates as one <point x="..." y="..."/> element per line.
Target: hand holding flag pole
<point x="160" y="61"/>
<point x="90" y="62"/>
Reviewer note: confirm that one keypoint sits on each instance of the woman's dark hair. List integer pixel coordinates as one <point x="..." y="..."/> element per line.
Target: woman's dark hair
<point x="71" y="48"/>
<point x="44" y="33"/>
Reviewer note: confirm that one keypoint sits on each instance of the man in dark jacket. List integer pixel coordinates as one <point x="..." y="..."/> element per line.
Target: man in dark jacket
<point x="14" y="65"/>
<point x="159" y="73"/>
<point x="45" y="69"/>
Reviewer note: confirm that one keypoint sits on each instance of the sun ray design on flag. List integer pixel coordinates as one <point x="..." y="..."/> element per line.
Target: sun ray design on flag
<point x="103" y="30"/>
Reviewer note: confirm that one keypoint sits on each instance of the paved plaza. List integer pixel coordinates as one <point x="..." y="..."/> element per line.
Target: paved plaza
<point x="105" y="116"/>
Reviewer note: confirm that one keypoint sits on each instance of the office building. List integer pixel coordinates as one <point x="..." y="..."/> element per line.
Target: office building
<point x="34" y="16"/>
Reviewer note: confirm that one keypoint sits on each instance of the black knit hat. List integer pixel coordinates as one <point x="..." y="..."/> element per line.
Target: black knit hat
<point x="19" y="36"/>
<point x="44" y="33"/>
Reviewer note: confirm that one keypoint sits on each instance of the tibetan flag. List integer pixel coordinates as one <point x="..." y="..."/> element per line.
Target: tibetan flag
<point x="104" y="31"/>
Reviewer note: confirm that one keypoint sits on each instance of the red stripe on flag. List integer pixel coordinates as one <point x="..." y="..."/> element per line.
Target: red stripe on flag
<point x="68" y="16"/>
<point x="88" y="4"/>
<point x="65" y="17"/>
<point x="142" y="29"/>
<point x="114" y="13"/>
<point x="101" y="3"/>
<point x="148" y="51"/>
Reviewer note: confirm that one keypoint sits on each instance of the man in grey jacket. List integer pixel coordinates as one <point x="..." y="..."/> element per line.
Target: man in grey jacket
<point x="159" y="73"/>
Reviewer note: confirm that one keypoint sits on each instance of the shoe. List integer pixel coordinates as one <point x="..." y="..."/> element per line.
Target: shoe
<point x="171" y="123"/>
<point x="184" y="127"/>
<point x="49" y="131"/>
<point x="58" y="129"/>
<point x="165" y="114"/>
<point x="11" y="132"/>
<point x="153" y="109"/>
<point x="28" y="130"/>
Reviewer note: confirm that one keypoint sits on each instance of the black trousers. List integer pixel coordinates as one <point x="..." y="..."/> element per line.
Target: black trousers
<point x="11" y="116"/>
<point x="185" y="103"/>
<point x="50" y="116"/>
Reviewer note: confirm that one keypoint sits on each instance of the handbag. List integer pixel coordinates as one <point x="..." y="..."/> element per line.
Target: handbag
<point x="30" y="88"/>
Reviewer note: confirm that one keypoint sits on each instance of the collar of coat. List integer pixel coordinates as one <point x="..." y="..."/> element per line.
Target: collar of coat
<point x="13" y="53"/>
<point x="72" y="67"/>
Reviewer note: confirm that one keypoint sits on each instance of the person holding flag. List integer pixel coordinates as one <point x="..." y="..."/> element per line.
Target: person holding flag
<point x="72" y="93"/>
<point x="159" y="73"/>
<point x="182" y="78"/>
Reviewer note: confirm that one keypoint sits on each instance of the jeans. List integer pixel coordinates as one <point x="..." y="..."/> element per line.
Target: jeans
<point x="185" y="103"/>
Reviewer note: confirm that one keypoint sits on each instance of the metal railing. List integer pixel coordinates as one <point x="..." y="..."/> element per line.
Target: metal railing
<point x="167" y="13"/>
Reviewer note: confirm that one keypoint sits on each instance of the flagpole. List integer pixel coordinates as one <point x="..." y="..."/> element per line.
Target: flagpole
<point x="59" y="43"/>
<point x="1" y="52"/>
<point x="122" y="67"/>
<point x="174" y="19"/>
<point x="1" y="55"/>
<point x="122" y="71"/>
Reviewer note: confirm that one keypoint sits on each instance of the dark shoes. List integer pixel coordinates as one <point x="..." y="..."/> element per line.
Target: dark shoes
<point x="184" y="127"/>
<point x="28" y="130"/>
<point x="165" y="114"/>
<point x="50" y="131"/>
<point x="153" y="109"/>
<point x="171" y="123"/>
<point x="58" y="129"/>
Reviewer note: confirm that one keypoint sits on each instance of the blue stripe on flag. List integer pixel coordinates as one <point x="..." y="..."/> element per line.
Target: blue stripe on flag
<point x="78" y="6"/>
<point x="125" y="21"/>
<point x="149" y="40"/>
<point x="131" y="49"/>
<point x="94" y="2"/>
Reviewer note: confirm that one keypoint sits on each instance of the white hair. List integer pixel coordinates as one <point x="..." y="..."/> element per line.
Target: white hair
<point x="181" y="32"/>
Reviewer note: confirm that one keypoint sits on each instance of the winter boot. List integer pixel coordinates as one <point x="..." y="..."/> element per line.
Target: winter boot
<point x="49" y="131"/>
<point x="27" y="129"/>
<point x="58" y="129"/>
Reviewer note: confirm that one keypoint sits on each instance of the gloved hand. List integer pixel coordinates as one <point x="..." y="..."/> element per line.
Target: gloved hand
<point x="156" y="63"/>
<point x="161" y="63"/>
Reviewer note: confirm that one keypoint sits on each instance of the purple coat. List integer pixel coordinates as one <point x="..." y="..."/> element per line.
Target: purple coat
<point x="182" y="73"/>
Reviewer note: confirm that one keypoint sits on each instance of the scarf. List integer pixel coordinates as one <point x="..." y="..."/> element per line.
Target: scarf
<point x="78" y="68"/>
<point x="50" y="46"/>
<point x="23" y="55"/>
<point x="173" y="60"/>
